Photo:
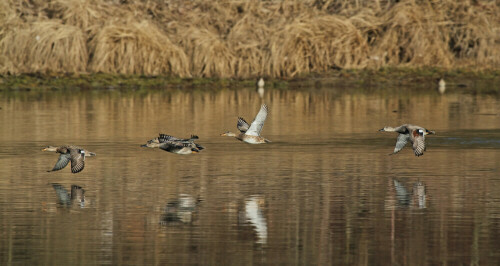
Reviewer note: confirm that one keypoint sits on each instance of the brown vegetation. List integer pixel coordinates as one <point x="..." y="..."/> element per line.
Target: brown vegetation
<point x="245" y="38"/>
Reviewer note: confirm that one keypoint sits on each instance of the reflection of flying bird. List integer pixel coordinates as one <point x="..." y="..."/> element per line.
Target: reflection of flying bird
<point x="419" y="193"/>
<point x="180" y="209"/>
<point x="250" y="133"/>
<point x="412" y="133"/>
<point x="70" y="153"/>
<point x="175" y="145"/>
<point x="66" y="199"/>
<point x="255" y="216"/>
<point x="416" y="197"/>
<point x="402" y="194"/>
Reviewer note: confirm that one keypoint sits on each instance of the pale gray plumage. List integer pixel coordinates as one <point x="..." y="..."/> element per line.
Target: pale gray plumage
<point x="411" y="133"/>
<point x="251" y="133"/>
<point x="257" y="124"/>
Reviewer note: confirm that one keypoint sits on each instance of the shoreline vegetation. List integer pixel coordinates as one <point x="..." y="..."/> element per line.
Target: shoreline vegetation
<point x="483" y="81"/>
<point x="228" y="41"/>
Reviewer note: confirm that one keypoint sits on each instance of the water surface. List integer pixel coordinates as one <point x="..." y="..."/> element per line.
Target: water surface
<point x="323" y="192"/>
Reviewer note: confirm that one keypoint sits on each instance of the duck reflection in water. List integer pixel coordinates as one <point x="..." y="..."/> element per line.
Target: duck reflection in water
<point x="260" y="87"/>
<point x="180" y="210"/>
<point x="253" y="215"/>
<point x="65" y="199"/>
<point x="417" y="197"/>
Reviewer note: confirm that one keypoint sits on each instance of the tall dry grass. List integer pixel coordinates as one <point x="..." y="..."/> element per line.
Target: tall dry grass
<point x="245" y="39"/>
<point x="47" y="46"/>
<point x="136" y="48"/>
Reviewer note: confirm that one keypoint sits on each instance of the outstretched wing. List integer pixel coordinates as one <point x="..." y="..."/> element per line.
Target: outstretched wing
<point x="77" y="160"/>
<point x="242" y="125"/>
<point x="258" y="122"/>
<point x="401" y="142"/>
<point x="63" y="160"/>
<point x="167" y="138"/>
<point x="419" y="145"/>
<point x="172" y="146"/>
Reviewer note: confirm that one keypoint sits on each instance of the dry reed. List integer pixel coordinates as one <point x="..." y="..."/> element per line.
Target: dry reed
<point x="45" y="46"/>
<point x="136" y="48"/>
<point x="415" y="35"/>
<point x="245" y="38"/>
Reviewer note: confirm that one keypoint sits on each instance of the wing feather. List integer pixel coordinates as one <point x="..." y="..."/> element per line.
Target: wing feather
<point x="171" y="146"/>
<point x="419" y="145"/>
<point x="63" y="160"/>
<point x="167" y="138"/>
<point x="77" y="160"/>
<point x="258" y="122"/>
<point x="401" y="142"/>
<point x="242" y="125"/>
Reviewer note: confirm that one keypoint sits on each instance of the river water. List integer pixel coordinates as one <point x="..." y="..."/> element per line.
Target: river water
<point x="325" y="191"/>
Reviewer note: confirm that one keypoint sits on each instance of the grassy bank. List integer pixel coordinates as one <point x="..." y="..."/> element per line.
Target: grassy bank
<point x="245" y="39"/>
<point x="367" y="78"/>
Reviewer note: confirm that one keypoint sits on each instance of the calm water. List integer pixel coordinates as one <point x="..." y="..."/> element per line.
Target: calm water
<point x="323" y="192"/>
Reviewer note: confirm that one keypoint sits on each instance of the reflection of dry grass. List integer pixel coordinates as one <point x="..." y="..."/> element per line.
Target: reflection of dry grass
<point x="245" y="39"/>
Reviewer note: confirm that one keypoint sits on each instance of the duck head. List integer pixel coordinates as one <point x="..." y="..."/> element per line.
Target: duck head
<point x="50" y="148"/>
<point x="228" y="134"/>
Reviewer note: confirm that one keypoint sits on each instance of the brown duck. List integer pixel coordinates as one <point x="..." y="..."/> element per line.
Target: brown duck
<point x="411" y="133"/>
<point x="70" y="153"/>
<point x="175" y="145"/>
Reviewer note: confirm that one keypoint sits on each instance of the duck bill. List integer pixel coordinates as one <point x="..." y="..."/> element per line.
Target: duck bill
<point x="430" y="132"/>
<point x="223" y="134"/>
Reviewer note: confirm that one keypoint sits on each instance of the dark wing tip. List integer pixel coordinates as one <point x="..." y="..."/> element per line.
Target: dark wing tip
<point x="199" y="147"/>
<point x="76" y="170"/>
<point x="194" y="137"/>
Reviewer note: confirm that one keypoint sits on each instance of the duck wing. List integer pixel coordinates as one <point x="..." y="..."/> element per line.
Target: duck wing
<point x="77" y="157"/>
<point x="401" y="142"/>
<point x="419" y="145"/>
<point x="242" y="125"/>
<point x="172" y="146"/>
<point x="167" y="138"/>
<point x="258" y="122"/>
<point x="63" y="160"/>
